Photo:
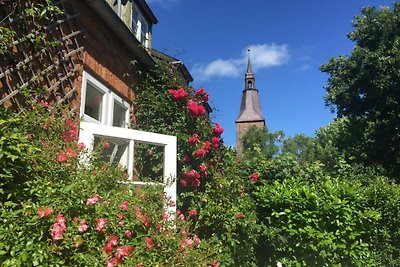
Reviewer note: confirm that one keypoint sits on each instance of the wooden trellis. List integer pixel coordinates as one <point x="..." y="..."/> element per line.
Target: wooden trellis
<point x="46" y="70"/>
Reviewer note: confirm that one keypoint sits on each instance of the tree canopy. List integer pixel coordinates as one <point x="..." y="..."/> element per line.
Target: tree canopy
<point x="365" y="88"/>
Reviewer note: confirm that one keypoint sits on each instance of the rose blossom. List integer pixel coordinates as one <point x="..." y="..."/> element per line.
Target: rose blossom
<point x="149" y="242"/>
<point x="207" y="145"/>
<point x="83" y="226"/>
<point x="108" y="248"/>
<point x="101" y="224"/>
<point x="128" y="233"/>
<point x="202" y="94"/>
<point x="93" y="200"/>
<point x="239" y="216"/>
<point x="70" y="152"/>
<point x="193" y="139"/>
<point x="195" y="183"/>
<point x="43" y="104"/>
<point x="196" y="239"/>
<point x="254" y="177"/>
<point x="186" y="243"/>
<point x="113" y="262"/>
<point x="178" y="94"/>
<point x="195" y="109"/>
<point x="217" y="130"/>
<point x="183" y="183"/>
<point x="193" y="213"/>
<point x="200" y="153"/>
<point x="124" y="206"/>
<point x="124" y="251"/>
<point x="62" y="157"/>
<point x="113" y="240"/>
<point x="58" y="227"/>
<point x="45" y="212"/>
<point x="203" y="168"/>
<point x="186" y="158"/>
<point x="192" y="175"/>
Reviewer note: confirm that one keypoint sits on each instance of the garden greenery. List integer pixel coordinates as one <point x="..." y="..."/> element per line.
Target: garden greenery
<point x="57" y="210"/>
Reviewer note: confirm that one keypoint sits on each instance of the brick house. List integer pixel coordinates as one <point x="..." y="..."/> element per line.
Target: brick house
<point x="102" y="51"/>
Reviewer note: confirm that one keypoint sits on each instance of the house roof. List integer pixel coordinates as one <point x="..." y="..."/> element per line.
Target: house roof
<point x="174" y="61"/>
<point x="107" y="14"/>
<point x="147" y="11"/>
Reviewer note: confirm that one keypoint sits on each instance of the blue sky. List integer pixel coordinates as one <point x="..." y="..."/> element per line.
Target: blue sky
<point x="289" y="41"/>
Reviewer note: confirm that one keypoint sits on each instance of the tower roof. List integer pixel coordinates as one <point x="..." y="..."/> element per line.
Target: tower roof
<point x="250" y="109"/>
<point x="249" y="72"/>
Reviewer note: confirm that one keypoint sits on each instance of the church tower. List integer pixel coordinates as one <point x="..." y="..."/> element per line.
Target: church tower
<point x="250" y="109"/>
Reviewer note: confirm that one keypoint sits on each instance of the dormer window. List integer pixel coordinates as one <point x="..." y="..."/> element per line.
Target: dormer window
<point x="137" y="16"/>
<point x="140" y="26"/>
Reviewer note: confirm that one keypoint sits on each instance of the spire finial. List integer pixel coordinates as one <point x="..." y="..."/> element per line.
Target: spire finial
<point x="249" y="70"/>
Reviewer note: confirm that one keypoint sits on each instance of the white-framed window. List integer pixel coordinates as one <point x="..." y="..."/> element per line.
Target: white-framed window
<point x="100" y="104"/>
<point x="140" y="27"/>
<point x="122" y="147"/>
<point x="105" y="117"/>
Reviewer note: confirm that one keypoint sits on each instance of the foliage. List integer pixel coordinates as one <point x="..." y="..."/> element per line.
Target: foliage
<point x="207" y="180"/>
<point x="259" y="142"/>
<point x="316" y="224"/>
<point x="234" y="227"/>
<point x="53" y="204"/>
<point x="364" y="87"/>
<point x="36" y="17"/>
<point x="300" y="146"/>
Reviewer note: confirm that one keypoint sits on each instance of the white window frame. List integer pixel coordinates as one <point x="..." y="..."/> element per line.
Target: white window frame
<point x="90" y="130"/>
<point x="142" y="37"/>
<point x="107" y="102"/>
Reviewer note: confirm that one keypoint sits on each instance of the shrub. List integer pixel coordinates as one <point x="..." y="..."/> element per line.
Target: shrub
<point x="59" y="211"/>
<point x="316" y="224"/>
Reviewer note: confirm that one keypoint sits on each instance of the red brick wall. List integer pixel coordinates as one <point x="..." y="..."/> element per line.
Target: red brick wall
<point x="105" y="56"/>
<point x="241" y="128"/>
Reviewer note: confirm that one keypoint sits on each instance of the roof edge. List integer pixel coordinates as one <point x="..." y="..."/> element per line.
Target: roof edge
<point x="147" y="11"/>
<point x="122" y="31"/>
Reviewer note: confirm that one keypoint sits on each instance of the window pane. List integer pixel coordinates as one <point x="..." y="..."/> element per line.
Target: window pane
<point x="113" y="150"/>
<point x="93" y="102"/>
<point x="149" y="162"/>
<point x="144" y="27"/>
<point x="135" y="19"/>
<point x="119" y="115"/>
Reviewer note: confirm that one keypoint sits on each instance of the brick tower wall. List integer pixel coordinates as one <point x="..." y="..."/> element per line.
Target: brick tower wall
<point x="241" y="128"/>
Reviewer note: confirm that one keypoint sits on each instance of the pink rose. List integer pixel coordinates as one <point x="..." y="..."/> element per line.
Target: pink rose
<point x="70" y="153"/>
<point x="124" y="251"/>
<point x="113" y="240"/>
<point x="193" y="213"/>
<point x="193" y="139"/>
<point x="254" y="177"/>
<point x="83" y="226"/>
<point x="101" y="224"/>
<point x="124" y="206"/>
<point x="128" y="233"/>
<point x="45" y="212"/>
<point x="149" y="242"/>
<point x="239" y="216"/>
<point x="218" y="130"/>
<point x="62" y="157"/>
<point x="93" y="200"/>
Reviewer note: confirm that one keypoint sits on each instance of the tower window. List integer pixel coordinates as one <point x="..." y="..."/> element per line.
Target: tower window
<point x="249" y="84"/>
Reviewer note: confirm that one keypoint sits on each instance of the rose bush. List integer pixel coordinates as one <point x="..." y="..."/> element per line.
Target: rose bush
<point x="58" y="211"/>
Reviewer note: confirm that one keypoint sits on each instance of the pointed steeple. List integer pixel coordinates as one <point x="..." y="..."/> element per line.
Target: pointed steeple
<point x="250" y="109"/>
<point x="249" y="77"/>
